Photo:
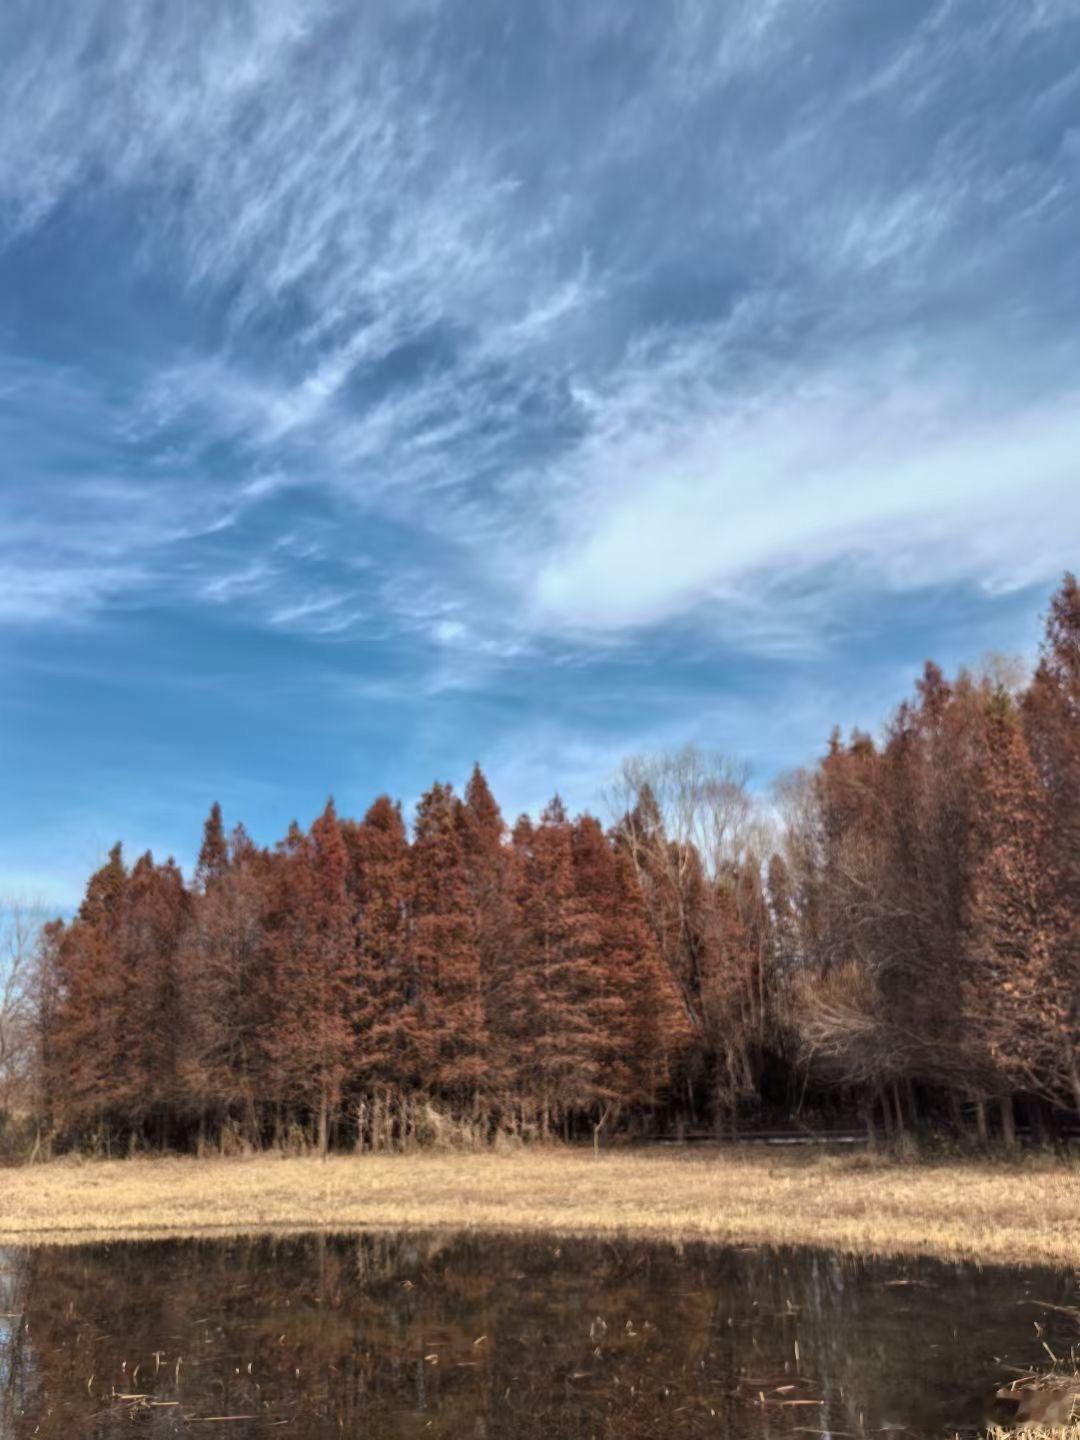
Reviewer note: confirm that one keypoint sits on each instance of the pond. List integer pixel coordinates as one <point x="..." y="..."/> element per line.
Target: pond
<point x="382" y="1335"/>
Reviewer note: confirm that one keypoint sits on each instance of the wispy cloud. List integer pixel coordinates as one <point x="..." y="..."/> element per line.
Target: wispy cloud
<point x="458" y="321"/>
<point x="683" y="495"/>
<point x="485" y="354"/>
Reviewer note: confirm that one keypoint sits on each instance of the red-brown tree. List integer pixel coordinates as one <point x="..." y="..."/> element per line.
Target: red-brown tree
<point x="448" y="1015"/>
<point x="911" y="949"/>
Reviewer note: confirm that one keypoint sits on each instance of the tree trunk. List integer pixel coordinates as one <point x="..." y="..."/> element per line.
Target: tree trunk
<point x="597" y="1128"/>
<point x="1040" y="1123"/>
<point x="868" y="1118"/>
<point x="1074" y="1078"/>
<point x="898" y="1108"/>
<point x="324" y="1124"/>
<point x="881" y="1099"/>
<point x="980" y="1120"/>
<point x="956" y="1117"/>
<point x="1008" y="1122"/>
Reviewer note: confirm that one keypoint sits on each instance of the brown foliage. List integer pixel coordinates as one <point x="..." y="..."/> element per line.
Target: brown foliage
<point x="916" y="934"/>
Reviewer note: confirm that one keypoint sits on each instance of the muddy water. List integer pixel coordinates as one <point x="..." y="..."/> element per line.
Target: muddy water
<point x="378" y="1335"/>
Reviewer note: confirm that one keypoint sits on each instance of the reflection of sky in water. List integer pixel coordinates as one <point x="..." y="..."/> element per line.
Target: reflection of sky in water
<point x="10" y="1274"/>
<point x="381" y="1335"/>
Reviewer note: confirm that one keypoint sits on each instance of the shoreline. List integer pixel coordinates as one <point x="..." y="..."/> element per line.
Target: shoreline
<point x="975" y="1210"/>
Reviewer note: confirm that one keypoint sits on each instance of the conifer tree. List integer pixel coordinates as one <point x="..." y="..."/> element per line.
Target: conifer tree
<point x="153" y="1006"/>
<point x="1010" y="999"/>
<point x="313" y="1041"/>
<point x="448" y="1018"/>
<point x="658" y="1028"/>
<point x="614" y="999"/>
<point x="223" y="1063"/>
<point x="385" y="1062"/>
<point x="214" y="852"/>
<point x="489" y="864"/>
<point x="558" y="986"/>
<point x="87" y="1045"/>
<point x="1052" y="723"/>
<point x="642" y="1024"/>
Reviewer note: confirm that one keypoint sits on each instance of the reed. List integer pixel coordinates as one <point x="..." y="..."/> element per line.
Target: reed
<point x="987" y="1211"/>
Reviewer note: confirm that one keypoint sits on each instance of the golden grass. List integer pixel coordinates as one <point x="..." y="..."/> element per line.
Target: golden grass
<point x="1029" y="1431"/>
<point x="978" y="1210"/>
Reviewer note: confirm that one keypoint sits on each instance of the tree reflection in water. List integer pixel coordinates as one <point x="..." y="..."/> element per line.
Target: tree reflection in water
<point x="465" y="1335"/>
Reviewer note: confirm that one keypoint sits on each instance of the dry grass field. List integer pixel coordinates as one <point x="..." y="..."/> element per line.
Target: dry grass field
<point x="1022" y="1213"/>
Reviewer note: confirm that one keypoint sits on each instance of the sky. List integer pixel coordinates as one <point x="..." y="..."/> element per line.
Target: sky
<point x="387" y="387"/>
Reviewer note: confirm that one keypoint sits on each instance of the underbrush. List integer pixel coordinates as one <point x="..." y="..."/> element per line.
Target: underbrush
<point x="1044" y="1403"/>
<point x="18" y="1137"/>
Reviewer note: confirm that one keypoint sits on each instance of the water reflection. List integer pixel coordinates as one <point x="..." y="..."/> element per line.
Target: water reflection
<point x="396" y="1335"/>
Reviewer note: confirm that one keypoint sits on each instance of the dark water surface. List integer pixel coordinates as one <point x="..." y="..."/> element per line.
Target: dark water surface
<point x="469" y="1336"/>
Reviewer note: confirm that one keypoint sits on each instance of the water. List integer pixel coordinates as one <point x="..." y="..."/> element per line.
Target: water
<point x="383" y="1335"/>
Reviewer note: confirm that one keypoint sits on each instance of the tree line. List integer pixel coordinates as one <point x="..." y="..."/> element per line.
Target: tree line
<point x="895" y="933"/>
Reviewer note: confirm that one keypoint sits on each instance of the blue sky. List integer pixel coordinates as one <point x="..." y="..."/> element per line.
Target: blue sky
<point x="389" y="386"/>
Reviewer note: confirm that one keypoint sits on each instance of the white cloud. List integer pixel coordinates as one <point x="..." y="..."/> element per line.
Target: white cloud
<point x="31" y="593"/>
<point x="681" y="495"/>
<point x="442" y="313"/>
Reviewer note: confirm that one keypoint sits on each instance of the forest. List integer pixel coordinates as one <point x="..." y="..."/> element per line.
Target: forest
<point x="892" y="936"/>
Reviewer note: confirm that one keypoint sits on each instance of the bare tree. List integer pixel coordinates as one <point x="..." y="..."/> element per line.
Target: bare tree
<point x="698" y="843"/>
<point x="700" y="797"/>
<point x="20" y="924"/>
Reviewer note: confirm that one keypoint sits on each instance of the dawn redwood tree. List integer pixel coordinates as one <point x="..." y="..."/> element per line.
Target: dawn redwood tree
<point x="152" y="1004"/>
<point x="559" y="1000"/>
<point x="1010" y="997"/>
<point x="384" y="1058"/>
<point x="314" y="946"/>
<point x="670" y="880"/>
<point x="907" y="903"/>
<point x="224" y="1068"/>
<point x="931" y="803"/>
<point x="489" y="866"/>
<point x="1052" y="722"/>
<point x="642" y="1024"/>
<point x="448" y="1018"/>
<point x="657" y="1028"/>
<point x="595" y="880"/>
<point x="214" y="859"/>
<point x="83" y="1051"/>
